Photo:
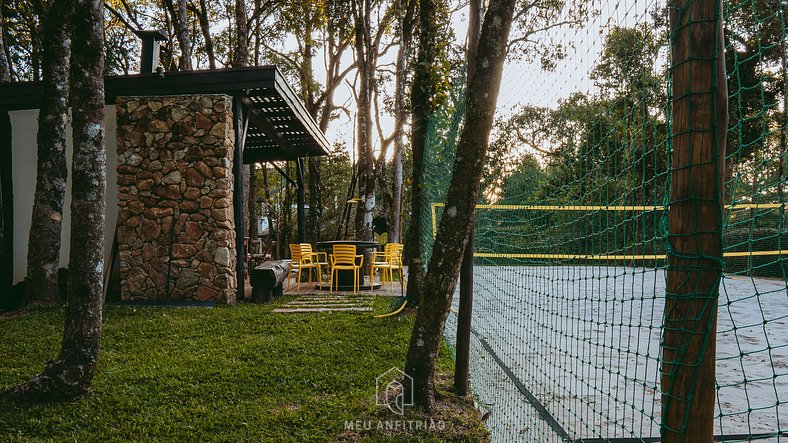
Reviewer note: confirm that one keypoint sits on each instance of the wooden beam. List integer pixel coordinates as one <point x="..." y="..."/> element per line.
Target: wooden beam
<point x="27" y="95"/>
<point x="284" y="174"/>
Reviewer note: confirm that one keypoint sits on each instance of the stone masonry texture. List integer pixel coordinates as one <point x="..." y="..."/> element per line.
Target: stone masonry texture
<point x="176" y="233"/>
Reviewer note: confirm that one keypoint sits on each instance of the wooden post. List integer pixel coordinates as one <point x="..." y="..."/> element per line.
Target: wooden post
<point x="240" y="122"/>
<point x="463" y="344"/>
<point x="699" y="125"/>
<point x="300" y="200"/>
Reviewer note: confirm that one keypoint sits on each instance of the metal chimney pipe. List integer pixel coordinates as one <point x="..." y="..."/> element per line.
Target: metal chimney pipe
<point x="149" y="58"/>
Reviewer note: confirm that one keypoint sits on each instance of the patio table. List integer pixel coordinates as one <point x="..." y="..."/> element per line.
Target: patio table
<point x="345" y="278"/>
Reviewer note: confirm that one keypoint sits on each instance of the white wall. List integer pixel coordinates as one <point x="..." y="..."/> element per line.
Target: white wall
<point x="24" y="127"/>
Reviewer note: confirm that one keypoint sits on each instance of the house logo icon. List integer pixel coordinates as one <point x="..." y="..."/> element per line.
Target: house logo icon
<point x="390" y="390"/>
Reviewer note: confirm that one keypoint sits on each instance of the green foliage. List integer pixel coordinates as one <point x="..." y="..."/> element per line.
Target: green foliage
<point x="627" y="62"/>
<point x="531" y="38"/>
<point x="438" y="65"/>
<point x="239" y="373"/>
<point x="336" y="172"/>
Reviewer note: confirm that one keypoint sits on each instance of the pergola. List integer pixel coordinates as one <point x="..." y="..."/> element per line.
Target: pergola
<point x="270" y="124"/>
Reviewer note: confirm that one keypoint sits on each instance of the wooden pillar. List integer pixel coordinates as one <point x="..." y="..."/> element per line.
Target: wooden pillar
<point x="300" y="200"/>
<point x="240" y="121"/>
<point x="7" y="199"/>
<point x="699" y="125"/>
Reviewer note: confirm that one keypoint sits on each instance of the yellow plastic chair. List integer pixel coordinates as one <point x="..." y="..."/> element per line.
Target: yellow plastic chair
<point x="387" y="261"/>
<point x="344" y="258"/>
<point x="315" y="259"/>
<point x="299" y="260"/>
<point x="295" y="262"/>
<point x="380" y="261"/>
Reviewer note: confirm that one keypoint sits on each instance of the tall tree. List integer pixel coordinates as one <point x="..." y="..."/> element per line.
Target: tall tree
<point x="367" y="45"/>
<point x="71" y="374"/>
<point x="241" y="53"/>
<point x="43" y="252"/>
<point x="205" y="28"/>
<point x="179" y="14"/>
<point x="362" y="13"/>
<point x="315" y="25"/>
<point x="406" y="25"/>
<point x="5" y="66"/>
<point x="424" y="99"/>
<point x="441" y="278"/>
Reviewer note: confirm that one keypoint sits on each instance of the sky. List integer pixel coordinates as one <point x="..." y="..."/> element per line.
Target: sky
<point x="525" y="82"/>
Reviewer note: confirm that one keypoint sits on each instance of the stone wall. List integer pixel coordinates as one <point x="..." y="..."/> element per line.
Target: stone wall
<point x="175" y="158"/>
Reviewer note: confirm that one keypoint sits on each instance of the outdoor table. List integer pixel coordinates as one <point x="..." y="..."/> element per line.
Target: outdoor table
<point x="345" y="277"/>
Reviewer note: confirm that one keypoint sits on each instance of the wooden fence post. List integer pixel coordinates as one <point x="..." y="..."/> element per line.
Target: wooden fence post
<point x="699" y="125"/>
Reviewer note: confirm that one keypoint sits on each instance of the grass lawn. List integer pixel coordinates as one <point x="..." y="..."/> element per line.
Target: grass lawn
<point x="237" y="373"/>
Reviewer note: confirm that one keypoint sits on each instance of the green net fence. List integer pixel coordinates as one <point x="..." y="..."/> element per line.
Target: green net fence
<point x="573" y="233"/>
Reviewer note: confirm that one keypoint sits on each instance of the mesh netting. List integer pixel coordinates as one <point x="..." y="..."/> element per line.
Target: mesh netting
<point x="572" y="236"/>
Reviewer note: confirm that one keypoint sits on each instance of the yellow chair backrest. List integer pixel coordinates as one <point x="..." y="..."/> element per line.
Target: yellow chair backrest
<point x="306" y="252"/>
<point x="394" y="252"/>
<point x="344" y="254"/>
<point x="295" y="253"/>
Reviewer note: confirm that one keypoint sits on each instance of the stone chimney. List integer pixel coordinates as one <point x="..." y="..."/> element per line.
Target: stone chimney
<point x="176" y="234"/>
<point x="149" y="57"/>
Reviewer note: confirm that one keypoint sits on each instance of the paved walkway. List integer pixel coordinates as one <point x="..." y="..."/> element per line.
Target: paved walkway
<point x="327" y="303"/>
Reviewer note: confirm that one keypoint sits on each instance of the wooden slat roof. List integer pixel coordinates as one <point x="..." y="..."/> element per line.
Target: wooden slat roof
<point x="279" y="128"/>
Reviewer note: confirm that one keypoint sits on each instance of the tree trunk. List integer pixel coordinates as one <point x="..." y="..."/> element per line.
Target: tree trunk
<point x="366" y="173"/>
<point x="420" y="114"/>
<point x="465" y="312"/>
<point x="205" y="28"/>
<point x="241" y="35"/>
<point x="71" y="374"/>
<point x="401" y="115"/>
<point x="287" y="212"/>
<point x="308" y="86"/>
<point x="5" y="66"/>
<point x="43" y="253"/>
<point x="180" y="22"/>
<point x="315" y="200"/>
<point x="441" y="278"/>
<point x="272" y="231"/>
<point x="699" y="129"/>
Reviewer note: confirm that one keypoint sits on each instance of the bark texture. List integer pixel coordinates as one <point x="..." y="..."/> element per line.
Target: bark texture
<point x="43" y="253"/>
<point x="241" y="35"/>
<point x="362" y="9"/>
<point x="465" y="313"/>
<point x="5" y="66"/>
<point x="699" y="130"/>
<point x="315" y="201"/>
<point x="420" y="115"/>
<point x="180" y="24"/>
<point x="71" y="374"/>
<point x="441" y="278"/>
<point x="205" y="29"/>
<point x="401" y="112"/>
